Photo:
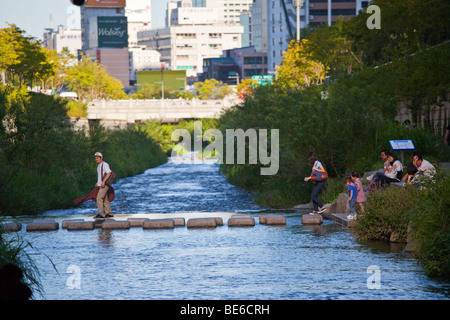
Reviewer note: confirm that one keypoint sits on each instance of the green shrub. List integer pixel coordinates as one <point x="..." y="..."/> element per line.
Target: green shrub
<point x="431" y="227"/>
<point x="387" y="211"/>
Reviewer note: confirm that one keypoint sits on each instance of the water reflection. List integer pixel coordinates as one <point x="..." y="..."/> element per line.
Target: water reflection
<point x="105" y="238"/>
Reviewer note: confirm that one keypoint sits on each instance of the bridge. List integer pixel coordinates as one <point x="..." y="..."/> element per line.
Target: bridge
<point x="121" y="113"/>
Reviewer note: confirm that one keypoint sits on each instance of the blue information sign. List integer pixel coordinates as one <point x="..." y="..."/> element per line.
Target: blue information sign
<point x="402" y="145"/>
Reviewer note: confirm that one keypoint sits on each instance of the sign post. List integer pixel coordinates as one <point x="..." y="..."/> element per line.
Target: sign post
<point x="402" y="145"/>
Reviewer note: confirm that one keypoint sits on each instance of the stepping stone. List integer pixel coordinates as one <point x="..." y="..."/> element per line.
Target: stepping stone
<point x="137" y="222"/>
<point x="43" y="225"/>
<point x="64" y="223"/>
<point x="312" y="219"/>
<point x="108" y="224"/>
<point x="241" y="216"/>
<point x="179" y="222"/>
<point x="80" y="225"/>
<point x="11" y="226"/>
<point x="272" y="219"/>
<point x="98" y="223"/>
<point x="202" y="223"/>
<point x="159" y="224"/>
<point x="241" y="222"/>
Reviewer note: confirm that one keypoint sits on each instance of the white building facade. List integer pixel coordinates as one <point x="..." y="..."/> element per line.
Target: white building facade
<point x="139" y="15"/>
<point x="192" y="34"/>
<point x="63" y="38"/>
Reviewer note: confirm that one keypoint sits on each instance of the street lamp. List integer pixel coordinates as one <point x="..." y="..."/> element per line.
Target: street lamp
<point x="298" y="4"/>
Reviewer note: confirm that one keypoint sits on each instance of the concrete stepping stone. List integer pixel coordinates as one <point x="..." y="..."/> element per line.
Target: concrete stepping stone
<point x="137" y="222"/>
<point x="179" y="222"/>
<point x="272" y="219"/>
<point x="11" y="226"/>
<point x="64" y="223"/>
<point x="109" y="224"/>
<point x="202" y="223"/>
<point x="98" y="223"/>
<point x="43" y="225"/>
<point x="312" y="219"/>
<point x="80" y="225"/>
<point x="159" y="224"/>
<point x="241" y="222"/>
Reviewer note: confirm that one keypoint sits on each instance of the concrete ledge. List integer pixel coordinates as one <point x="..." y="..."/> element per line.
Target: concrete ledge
<point x="272" y="219"/>
<point x="159" y="224"/>
<point x="11" y="226"/>
<point x="80" y="225"/>
<point x="137" y="222"/>
<point x="43" y="225"/>
<point x="108" y="224"/>
<point x="202" y="223"/>
<point x="64" y="223"/>
<point x="312" y="219"/>
<point x="179" y="222"/>
<point x="241" y="222"/>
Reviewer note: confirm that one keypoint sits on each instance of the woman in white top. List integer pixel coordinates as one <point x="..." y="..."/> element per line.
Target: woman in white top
<point x="395" y="172"/>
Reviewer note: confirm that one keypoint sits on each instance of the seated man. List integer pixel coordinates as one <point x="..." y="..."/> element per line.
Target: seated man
<point x="423" y="166"/>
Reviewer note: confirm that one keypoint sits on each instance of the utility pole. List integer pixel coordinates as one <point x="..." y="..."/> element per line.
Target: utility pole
<point x="298" y="4"/>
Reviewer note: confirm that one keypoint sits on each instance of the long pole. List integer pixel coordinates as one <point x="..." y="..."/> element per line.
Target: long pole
<point x="298" y="23"/>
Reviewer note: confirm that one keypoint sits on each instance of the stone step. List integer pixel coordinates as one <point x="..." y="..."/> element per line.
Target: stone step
<point x="43" y="225"/>
<point x="110" y="225"/>
<point x="80" y="225"/>
<point x="202" y="223"/>
<point x="272" y="219"/>
<point x="308" y="219"/>
<point x="11" y="226"/>
<point x="241" y="222"/>
<point x="159" y="224"/>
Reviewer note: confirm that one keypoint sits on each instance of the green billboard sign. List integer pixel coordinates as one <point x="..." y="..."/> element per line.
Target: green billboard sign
<point x="112" y="32"/>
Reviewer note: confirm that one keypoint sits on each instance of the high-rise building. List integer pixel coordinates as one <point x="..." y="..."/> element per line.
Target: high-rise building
<point x="104" y="32"/>
<point x="139" y="16"/>
<point x="191" y="34"/>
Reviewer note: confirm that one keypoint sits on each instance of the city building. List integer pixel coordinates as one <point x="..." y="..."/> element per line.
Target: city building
<point x="138" y="13"/>
<point x="223" y="69"/>
<point x="249" y="61"/>
<point x="186" y="41"/>
<point x="116" y="62"/>
<point x="282" y="21"/>
<point x="104" y="33"/>
<point x="142" y="59"/>
<point x="62" y="38"/>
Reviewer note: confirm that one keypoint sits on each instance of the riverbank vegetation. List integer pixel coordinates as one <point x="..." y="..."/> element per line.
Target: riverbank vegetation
<point x="45" y="164"/>
<point x="337" y="93"/>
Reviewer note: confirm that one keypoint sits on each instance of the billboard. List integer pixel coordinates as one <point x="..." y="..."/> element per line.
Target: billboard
<point x="105" y="3"/>
<point x="112" y="32"/>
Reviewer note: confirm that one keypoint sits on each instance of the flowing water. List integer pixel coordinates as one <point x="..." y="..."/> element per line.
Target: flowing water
<point x="260" y="262"/>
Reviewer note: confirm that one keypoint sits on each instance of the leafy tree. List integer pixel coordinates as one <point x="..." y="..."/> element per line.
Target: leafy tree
<point x="212" y="89"/>
<point x="90" y="80"/>
<point x="299" y="69"/>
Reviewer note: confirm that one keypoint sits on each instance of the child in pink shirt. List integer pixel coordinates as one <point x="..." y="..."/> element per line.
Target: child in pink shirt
<point x="360" y="197"/>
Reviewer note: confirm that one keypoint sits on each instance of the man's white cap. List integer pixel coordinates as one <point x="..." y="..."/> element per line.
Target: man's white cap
<point x="98" y="154"/>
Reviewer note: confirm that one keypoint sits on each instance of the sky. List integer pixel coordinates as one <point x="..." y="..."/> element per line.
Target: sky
<point x="33" y="16"/>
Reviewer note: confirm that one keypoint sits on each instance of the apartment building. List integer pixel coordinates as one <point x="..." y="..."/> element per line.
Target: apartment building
<point x="191" y="35"/>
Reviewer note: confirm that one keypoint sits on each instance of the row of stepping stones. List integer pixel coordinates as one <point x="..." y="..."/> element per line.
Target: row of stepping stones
<point x="146" y="223"/>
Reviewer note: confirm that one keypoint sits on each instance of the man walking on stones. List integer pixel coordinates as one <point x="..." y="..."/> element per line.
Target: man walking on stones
<point x="103" y="173"/>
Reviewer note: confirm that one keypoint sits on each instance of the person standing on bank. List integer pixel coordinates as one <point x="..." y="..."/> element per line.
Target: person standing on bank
<point x="103" y="173"/>
<point x="317" y="169"/>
